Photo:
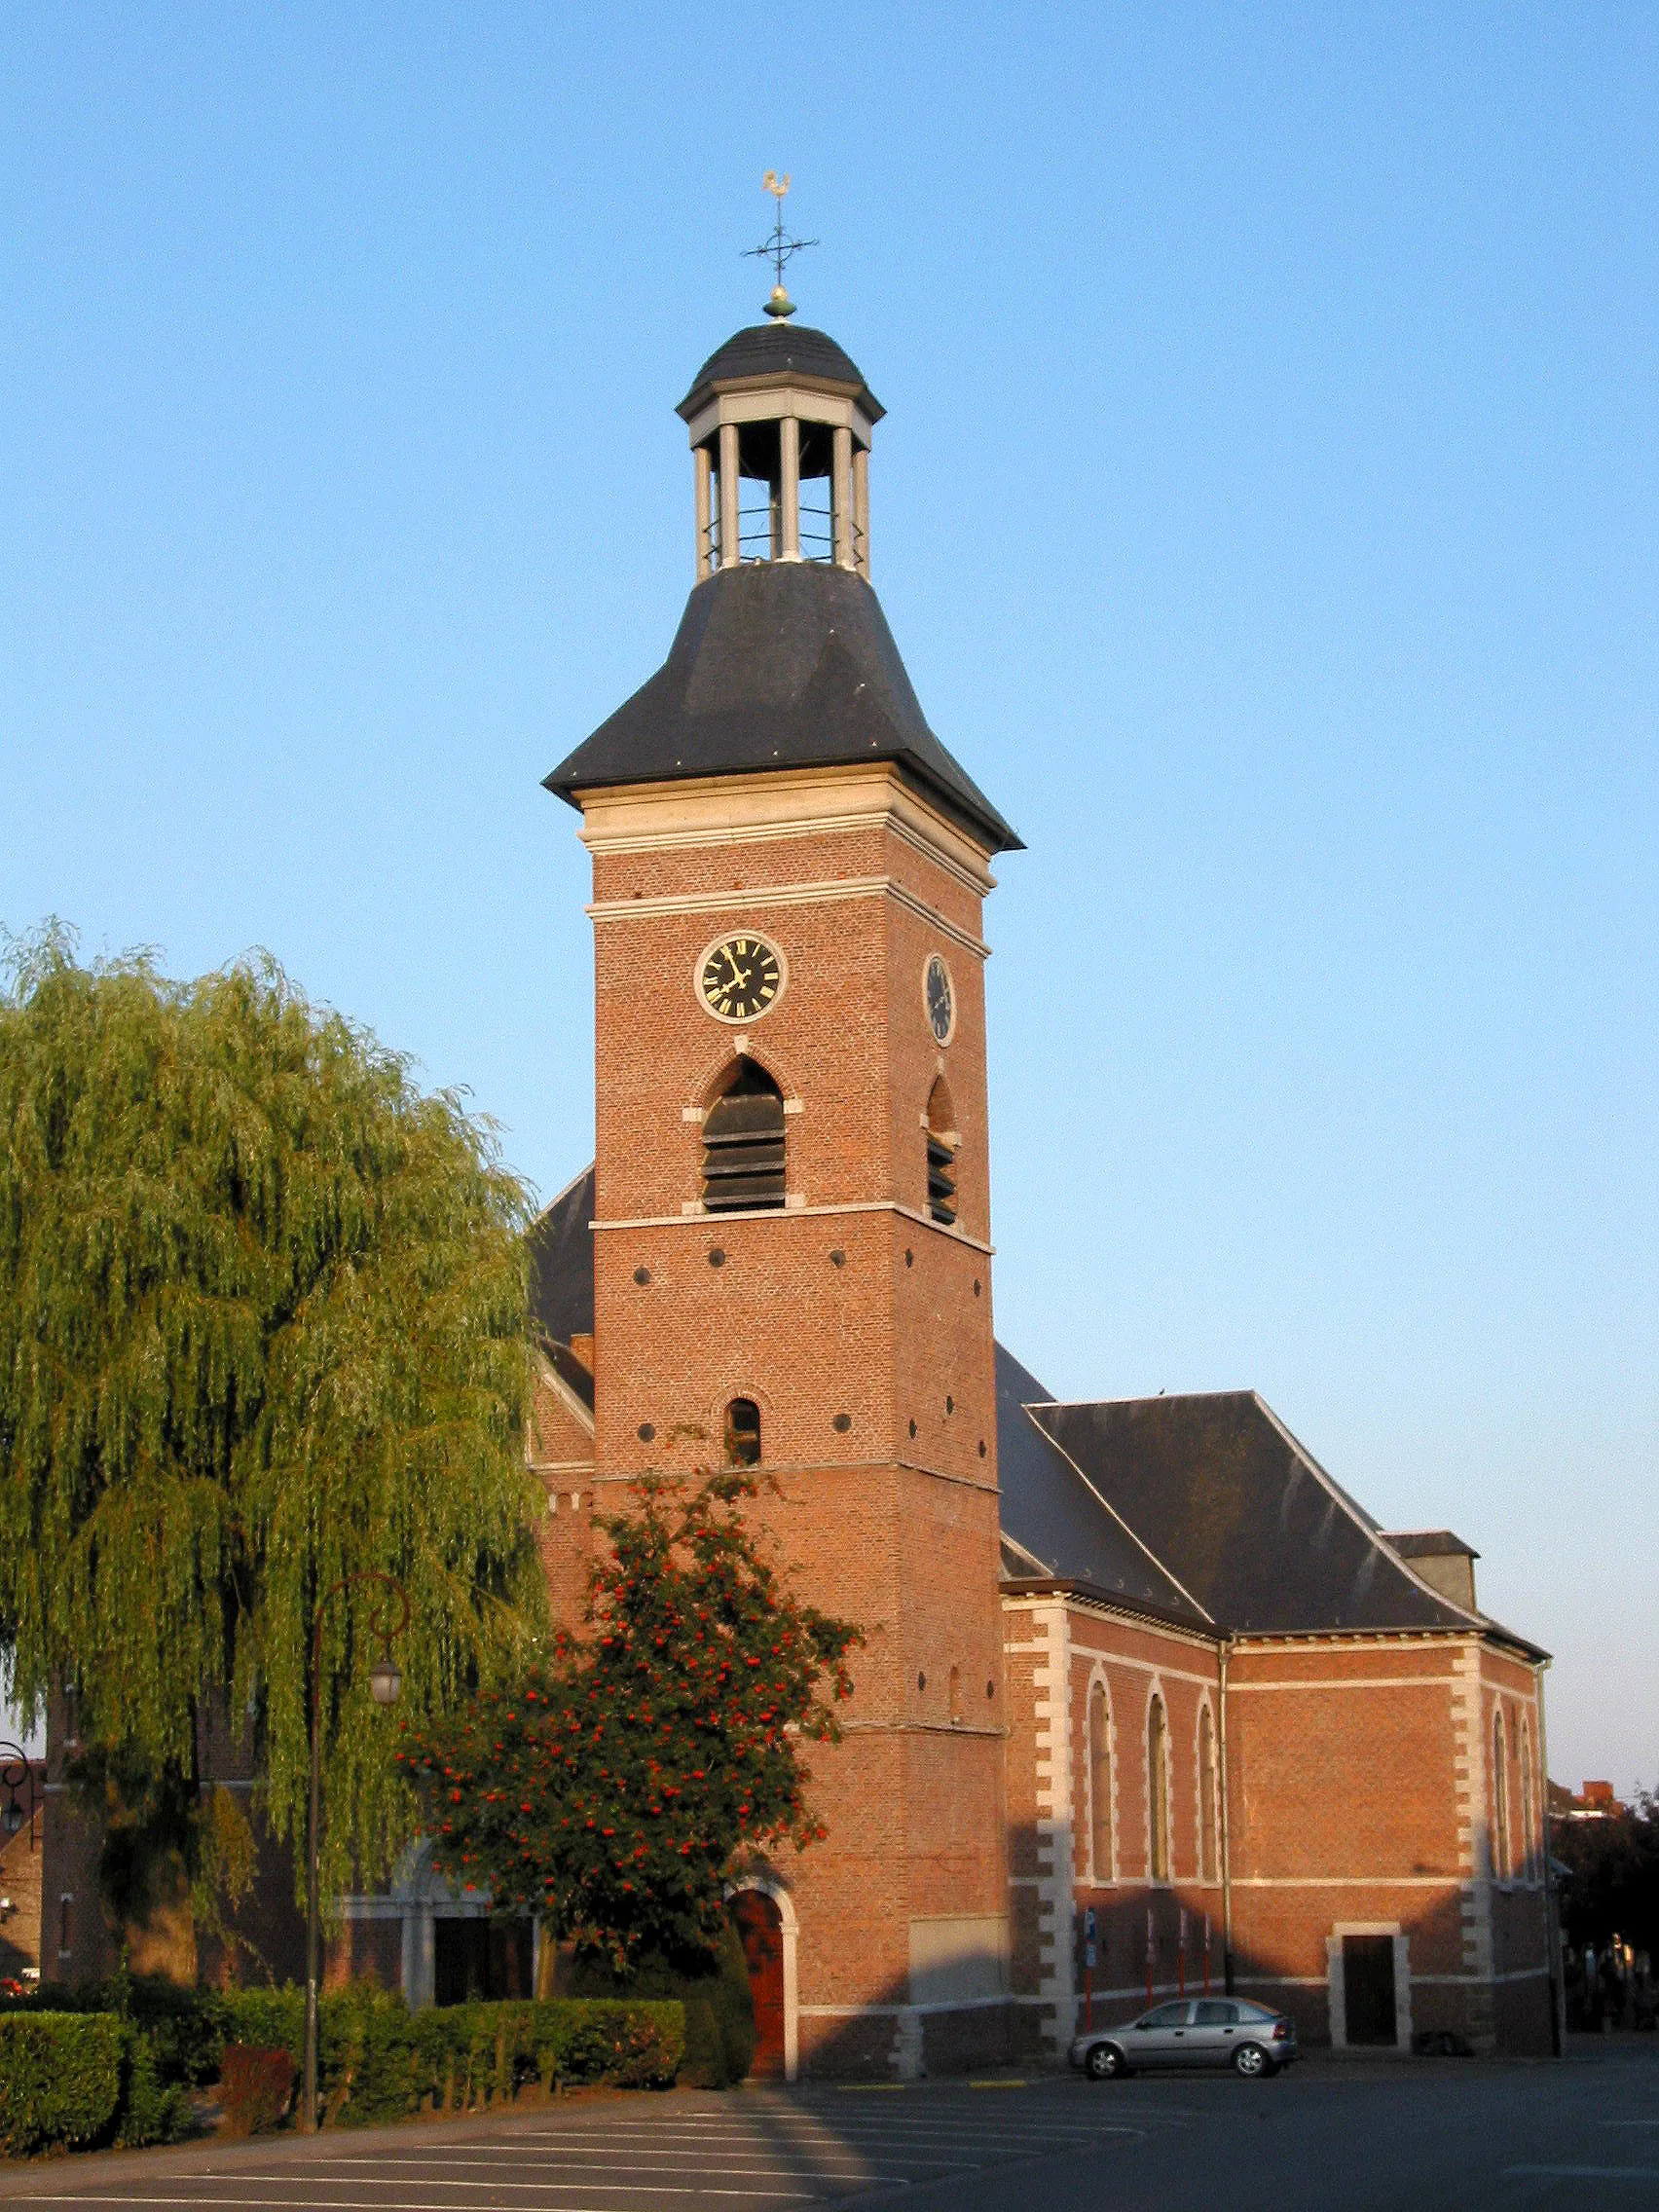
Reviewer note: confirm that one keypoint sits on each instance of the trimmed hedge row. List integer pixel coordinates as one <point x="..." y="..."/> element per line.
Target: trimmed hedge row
<point x="377" y="2060"/>
<point x="71" y="2080"/>
<point x="75" y="2077"/>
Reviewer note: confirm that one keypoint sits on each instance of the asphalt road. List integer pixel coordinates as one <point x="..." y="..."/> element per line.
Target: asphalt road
<point x="1407" y="2136"/>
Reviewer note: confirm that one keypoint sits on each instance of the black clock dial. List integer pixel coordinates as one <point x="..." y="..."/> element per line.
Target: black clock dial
<point x="739" y="978"/>
<point x="940" y="1000"/>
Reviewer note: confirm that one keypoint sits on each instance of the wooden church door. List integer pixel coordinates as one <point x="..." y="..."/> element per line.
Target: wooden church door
<point x="761" y="1928"/>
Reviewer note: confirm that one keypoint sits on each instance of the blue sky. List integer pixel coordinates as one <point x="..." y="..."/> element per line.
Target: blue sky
<point x="1266" y="512"/>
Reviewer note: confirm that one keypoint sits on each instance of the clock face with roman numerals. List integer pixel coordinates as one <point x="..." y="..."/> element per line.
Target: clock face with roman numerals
<point x="739" y="978"/>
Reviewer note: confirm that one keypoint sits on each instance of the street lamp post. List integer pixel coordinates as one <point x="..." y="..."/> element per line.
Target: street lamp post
<point x="16" y="1769"/>
<point x="385" y="1682"/>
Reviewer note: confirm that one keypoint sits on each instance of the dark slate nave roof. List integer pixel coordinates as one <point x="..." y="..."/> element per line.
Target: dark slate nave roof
<point x="1065" y="1531"/>
<point x="561" y="1264"/>
<point x="1221" y="1492"/>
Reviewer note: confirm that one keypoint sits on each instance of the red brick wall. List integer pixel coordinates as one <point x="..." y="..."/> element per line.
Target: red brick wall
<point x="1347" y="1806"/>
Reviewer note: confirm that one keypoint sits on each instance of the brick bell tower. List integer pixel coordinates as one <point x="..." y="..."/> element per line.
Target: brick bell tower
<point x="792" y="1211"/>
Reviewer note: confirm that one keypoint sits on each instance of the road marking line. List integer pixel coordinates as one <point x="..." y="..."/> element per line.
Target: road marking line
<point x="414" y="2204"/>
<point x="789" y="2173"/>
<point x="1590" y="2173"/>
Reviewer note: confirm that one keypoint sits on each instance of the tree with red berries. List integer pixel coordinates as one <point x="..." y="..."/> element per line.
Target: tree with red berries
<point x="617" y="1788"/>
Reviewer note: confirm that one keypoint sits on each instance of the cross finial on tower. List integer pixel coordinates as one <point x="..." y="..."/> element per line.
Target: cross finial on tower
<point x="778" y="248"/>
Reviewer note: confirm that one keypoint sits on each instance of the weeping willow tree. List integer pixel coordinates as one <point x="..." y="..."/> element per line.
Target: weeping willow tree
<point x="262" y="1326"/>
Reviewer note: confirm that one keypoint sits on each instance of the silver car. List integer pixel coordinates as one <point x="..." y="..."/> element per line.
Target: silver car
<point x="1190" y="2031"/>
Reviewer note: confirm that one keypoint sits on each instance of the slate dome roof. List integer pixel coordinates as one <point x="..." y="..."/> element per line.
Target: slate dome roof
<point x="779" y="349"/>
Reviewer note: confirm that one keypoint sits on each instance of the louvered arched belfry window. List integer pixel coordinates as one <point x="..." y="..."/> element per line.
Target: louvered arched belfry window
<point x="743" y="1143"/>
<point x="943" y="1144"/>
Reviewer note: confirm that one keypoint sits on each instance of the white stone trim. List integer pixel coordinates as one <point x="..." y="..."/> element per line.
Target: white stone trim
<point x="1469" y="1755"/>
<point x="705" y="1221"/>
<point x="1237" y="1689"/>
<point x="811" y="894"/>
<point x="764" y="807"/>
<point x="1056" y="1961"/>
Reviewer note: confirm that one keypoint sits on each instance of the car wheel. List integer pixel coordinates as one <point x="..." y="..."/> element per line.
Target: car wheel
<point x="1251" y="2059"/>
<point x="1103" y="2063"/>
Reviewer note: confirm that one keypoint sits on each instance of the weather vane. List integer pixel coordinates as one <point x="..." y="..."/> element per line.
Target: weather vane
<point x="778" y="248"/>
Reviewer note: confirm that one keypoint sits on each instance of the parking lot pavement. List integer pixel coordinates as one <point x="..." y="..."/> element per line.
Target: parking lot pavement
<point x="756" y="2149"/>
<point x="1403" y="2136"/>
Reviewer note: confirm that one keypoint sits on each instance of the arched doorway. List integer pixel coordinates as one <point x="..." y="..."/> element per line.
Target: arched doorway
<point x="760" y="1925"/>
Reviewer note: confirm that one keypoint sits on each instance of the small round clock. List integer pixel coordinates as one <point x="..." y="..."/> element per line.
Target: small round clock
<point x="739" y="978"/>
<point x="939" y="993"/>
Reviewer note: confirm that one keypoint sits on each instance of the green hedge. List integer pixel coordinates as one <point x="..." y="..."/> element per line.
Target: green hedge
<point x="186" y="2029"/>
<point x="377" y="2060"/>
<point x="720" y="2012"/>
<point x="60" y="2079"/>
<point x="68" y="2079"/>
<point x="81" y="2073"/>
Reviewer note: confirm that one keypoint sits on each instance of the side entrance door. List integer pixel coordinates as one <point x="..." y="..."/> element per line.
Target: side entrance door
<point x="761" y="1928"/>
<point x="1368" y="1988"/>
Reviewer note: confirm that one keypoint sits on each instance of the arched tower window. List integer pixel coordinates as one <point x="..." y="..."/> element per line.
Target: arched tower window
<point x="742" y="1144"/>
<point x="743" y="1433"/>
<point x="1157" y="1791"/>
<point x="1210" y="1839"/>
<point x="943" y="1144"/>
<point x="1100" y="1785"/>
<point x="1500" y="1859"/>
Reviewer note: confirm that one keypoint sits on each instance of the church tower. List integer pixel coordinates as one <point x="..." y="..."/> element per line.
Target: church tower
<point x="791" y="1207"/>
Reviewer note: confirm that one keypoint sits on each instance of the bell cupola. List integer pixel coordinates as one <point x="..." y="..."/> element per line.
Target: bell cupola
<point x="780" y="421"/>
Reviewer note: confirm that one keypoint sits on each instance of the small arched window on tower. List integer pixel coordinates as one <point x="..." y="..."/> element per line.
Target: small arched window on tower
<point x="743" y="1433"/>
<point x="943" y="1144"/>
<point x="1208" y="1838"/>
<point x="1501" y="1863"/>
<point x="1157" y="1791"/>
<point x="742" y="1144"/>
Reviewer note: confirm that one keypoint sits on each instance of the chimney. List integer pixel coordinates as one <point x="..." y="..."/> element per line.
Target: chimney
<point x="1443" y="1561"/>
